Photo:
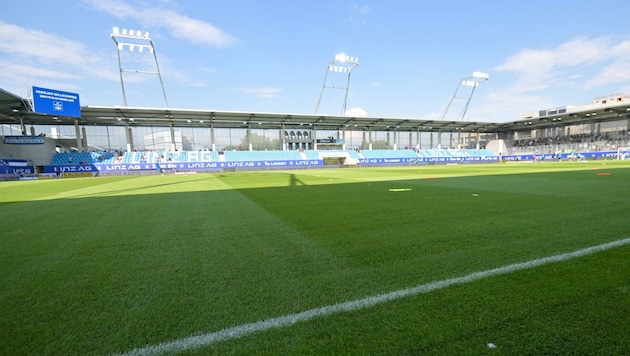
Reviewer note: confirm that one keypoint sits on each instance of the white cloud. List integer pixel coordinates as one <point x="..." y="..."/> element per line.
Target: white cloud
<point x="595" y="61"/>
<point x="530" y="79"/>
<point x="504" y="106"/>
<point x="613" y="73"/>
<point x="263" y="92"/>
<point x="363" y="10"/>
<point x="356" y="112"/>
<point x="32" y="57"/>
<point x="357" y="14"/>
<point x="180" y="26"/>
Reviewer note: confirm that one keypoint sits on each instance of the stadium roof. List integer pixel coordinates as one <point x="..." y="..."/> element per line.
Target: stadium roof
<point x="16" y="110"/>
<point x="11" y="105"/>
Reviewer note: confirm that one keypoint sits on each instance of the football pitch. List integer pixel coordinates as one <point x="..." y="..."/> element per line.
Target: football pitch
<point x="515" y="258"/>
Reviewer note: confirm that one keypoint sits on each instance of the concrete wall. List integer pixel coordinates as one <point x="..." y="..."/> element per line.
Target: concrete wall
<point x="39" y="154"/>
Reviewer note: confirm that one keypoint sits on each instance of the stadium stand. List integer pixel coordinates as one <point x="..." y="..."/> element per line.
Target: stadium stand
<point x="79" y="158"/>
<point x="262" y="155"/>
<point x="352" y="153"/>
<point x="389" y="154"/>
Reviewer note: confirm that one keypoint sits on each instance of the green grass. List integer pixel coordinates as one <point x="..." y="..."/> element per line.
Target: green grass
<point x="106" y="265"/>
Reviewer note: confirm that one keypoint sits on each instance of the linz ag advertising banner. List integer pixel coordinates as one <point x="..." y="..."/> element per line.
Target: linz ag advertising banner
<point x="55" y="102"/>
<point x="183" y="166"/>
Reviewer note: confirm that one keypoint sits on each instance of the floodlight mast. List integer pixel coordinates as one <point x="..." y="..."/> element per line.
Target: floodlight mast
<point x="473" y="81"/>
<point x="131" y="40"/>
<point x="341" y="64"/>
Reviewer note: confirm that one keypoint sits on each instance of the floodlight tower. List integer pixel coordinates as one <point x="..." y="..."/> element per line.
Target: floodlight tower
<point x="470" y="82"/>
<point x="341" y="64"/>
<point x="130" y="39"/>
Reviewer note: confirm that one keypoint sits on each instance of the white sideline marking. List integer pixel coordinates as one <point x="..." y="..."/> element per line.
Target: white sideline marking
<point x="198" y="341"/>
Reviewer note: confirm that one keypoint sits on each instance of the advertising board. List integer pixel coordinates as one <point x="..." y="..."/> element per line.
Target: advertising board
<point x="55" y="102"/>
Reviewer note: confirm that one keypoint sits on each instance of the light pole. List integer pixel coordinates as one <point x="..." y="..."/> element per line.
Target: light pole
<point x="341" y="64"/>
<point x="131" y="40"/>
<point x="470" y="82"/>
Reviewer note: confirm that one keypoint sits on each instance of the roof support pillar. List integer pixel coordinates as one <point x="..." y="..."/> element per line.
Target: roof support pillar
<point x="173" y="143"/>
<point x="129" y="138"/>
<point x="249" y="138"/>
<point x="283" y="137"/>
<point x="212" y="142"/>
<point x="77" y="132"/>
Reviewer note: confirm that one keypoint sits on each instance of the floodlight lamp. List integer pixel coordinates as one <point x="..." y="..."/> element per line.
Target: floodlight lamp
<point x="480" y="75"/>
<point x="131" y="47"/>
<point x="120" y="46"/>
<point x="115" y="30"/>
<point x="146" y="34"/>
<point x="131" y="33"/>
<point x="124" y="32"/>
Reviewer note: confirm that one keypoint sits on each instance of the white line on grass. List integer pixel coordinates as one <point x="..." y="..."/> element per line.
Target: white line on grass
<point x="198" y="341"/>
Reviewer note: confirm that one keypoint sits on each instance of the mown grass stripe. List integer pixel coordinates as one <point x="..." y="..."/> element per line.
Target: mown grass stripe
<point x="198" y="341"/>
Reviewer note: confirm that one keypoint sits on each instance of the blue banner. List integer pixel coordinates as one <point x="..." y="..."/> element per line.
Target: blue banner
<point x="292" y="164"/>
<point x="23" y="140"/>
<point x="422" y="160"/>
<point x="55" y="102"/>
<point x="562" y="156"/>
<point x="6" y="169"/>
<point x="183" y="166"/>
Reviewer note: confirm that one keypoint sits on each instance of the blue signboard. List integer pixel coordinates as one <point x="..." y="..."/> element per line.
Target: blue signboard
<point x="423" y="160"/>
<point x="55" y="102"/>
<point x="562" y="156"/>
<point x="23" y="140"/>
<point x="16" y="166"/>
<point x="184" y="166"/>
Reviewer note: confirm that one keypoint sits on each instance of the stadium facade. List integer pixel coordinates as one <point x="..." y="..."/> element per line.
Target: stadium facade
<point x="115" y="139"/>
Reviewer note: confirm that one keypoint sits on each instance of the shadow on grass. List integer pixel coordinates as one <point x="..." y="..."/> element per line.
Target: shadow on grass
<point x="295" y="181"/>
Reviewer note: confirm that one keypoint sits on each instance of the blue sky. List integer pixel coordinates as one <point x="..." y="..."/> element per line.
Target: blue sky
<point x="271" y="56"/>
